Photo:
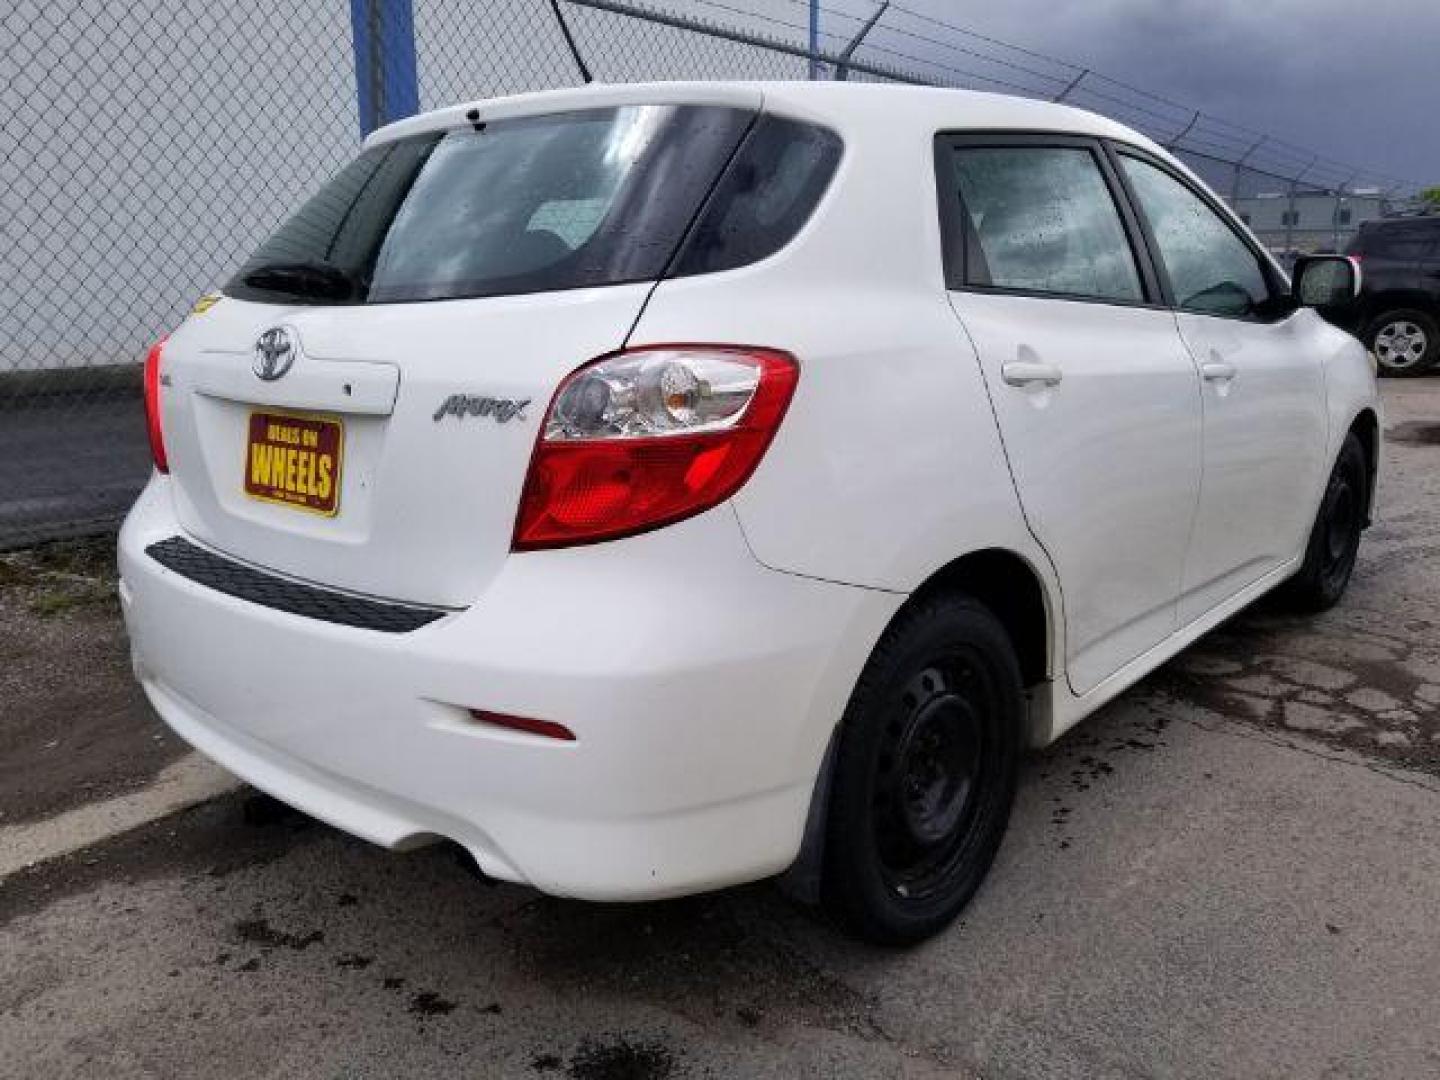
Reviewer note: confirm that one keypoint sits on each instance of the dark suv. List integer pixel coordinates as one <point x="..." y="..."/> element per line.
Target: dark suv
<point x="1398" y="311"/>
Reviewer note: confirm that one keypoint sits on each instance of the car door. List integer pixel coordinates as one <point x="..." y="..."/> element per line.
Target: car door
<point x="1262" y="387"/>
<point x="1430" y="269"/>
<point x="1096" y="398"/>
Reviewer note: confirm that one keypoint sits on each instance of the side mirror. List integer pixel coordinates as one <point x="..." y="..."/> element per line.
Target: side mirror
<point x="1322" y="281"/>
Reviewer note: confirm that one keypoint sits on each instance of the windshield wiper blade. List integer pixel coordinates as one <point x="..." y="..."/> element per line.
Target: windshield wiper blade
<point x="321" y="280"/>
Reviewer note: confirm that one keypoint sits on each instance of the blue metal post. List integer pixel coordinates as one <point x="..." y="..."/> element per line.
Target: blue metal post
<point x="386" y="84"/>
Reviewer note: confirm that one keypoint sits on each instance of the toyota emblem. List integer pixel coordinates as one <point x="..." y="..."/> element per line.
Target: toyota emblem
<point x="274" y="353"/>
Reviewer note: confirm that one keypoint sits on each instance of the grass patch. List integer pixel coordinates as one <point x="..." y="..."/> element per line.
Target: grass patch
<point x="61" y="577"/>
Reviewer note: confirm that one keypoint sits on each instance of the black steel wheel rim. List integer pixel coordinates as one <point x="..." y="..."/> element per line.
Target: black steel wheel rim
<point x="1342" y="526"/>
<point x="930" y="780"/>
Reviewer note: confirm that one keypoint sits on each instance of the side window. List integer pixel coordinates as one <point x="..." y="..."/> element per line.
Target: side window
<point x="1211" y="269"/>
<point x="765" y="197"/>
<point x="1043" y="220"/>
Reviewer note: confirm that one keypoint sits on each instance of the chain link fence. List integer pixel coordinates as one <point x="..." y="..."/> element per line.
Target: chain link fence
<point x="147" y="147"/>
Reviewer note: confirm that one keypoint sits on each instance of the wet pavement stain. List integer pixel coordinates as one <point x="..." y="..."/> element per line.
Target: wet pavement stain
<point x="1415" y="433"/>
<point x="429" y="1003"/>
<point x="260" y="932"/>
<point x="651" y="952"/>
<point x="619" y="1058"/>
<point x="1376" y="692"/>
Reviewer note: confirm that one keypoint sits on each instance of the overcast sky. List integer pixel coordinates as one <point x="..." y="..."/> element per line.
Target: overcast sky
<point x="1356" y="81"/>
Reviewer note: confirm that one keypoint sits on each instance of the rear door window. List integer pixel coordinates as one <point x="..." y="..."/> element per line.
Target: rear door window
<point x="559" y="201"/>
<point x="1041" y="219"/>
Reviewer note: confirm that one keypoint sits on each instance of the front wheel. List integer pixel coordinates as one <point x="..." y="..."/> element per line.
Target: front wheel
<point x="925" y="772"/>
<point x="1404" y="342"/>
<point x="1335" y="536"/>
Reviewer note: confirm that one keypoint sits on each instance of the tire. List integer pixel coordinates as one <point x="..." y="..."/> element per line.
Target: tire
<point x="1335" y="537"/>
<point x="1404" y="342"/>
<point x="925" y="773"/>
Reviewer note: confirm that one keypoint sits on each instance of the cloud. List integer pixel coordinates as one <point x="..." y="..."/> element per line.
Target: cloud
<point x="1354" y="82"/>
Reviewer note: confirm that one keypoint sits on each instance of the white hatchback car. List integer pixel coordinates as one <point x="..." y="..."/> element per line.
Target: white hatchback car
<point x="653" y="488"/>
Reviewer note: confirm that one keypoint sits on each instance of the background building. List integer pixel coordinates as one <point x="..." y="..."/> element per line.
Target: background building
<point x="1309" y="221"/>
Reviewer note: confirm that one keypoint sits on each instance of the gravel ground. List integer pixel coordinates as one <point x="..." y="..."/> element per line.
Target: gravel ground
<point x="74" y="726"/>
<point x="1232" y="871"/>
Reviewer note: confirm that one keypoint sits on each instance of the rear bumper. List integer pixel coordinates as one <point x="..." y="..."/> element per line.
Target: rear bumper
<point x="702" y="689"/>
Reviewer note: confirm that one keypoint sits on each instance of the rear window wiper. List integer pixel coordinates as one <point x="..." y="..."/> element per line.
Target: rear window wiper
<point x="320" y="280"/>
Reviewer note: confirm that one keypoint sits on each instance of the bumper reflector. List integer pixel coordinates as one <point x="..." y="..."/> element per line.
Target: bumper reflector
<point x="547" y="728"/>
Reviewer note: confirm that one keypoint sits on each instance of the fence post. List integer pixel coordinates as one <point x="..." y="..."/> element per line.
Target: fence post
<point x="1290" y="220"/>
<point x="1178" y="139"/>
<point x="1335" y="223"/>
<point x="1293" y="214"/>
<point x="842" y="70"/>
<point x="386" y="84"/>
<point x="1063" y="94"/>
<point x="1240" y="164"/>
<point x="814" y="39"/>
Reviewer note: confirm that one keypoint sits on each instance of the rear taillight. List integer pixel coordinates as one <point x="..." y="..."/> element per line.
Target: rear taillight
<point x="152" y="406"/>
<point x="650" y="436"/>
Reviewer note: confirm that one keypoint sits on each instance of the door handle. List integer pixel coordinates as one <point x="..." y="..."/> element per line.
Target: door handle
<point x="1024" y="372"/>
<point x="1217" y="371"/>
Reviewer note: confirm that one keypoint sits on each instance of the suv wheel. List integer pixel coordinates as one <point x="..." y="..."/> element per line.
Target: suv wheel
<point x="1404" y="342"/>
<point x="925" y="773"/>
<point x="1335" y="536"/>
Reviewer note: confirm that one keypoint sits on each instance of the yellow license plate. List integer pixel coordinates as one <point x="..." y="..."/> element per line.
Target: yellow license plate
<point x="294" y="460"/>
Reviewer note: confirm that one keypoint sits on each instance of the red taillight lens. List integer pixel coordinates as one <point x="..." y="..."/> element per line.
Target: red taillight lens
<point x="648" y="437"/>
<point x="152" y="406"/>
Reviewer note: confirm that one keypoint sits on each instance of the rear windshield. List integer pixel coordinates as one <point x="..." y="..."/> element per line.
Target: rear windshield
<point x="562" y="201"/>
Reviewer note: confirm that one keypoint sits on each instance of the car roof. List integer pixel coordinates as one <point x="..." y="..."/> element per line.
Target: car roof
<point x="1419" y="224"/>
<point x="848" y="107"/>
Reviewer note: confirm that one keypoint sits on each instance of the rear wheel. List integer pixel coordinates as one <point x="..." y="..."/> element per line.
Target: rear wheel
<point x="1404" y="342"/>
<point x="925" y="773"/>
<point x="1335" y="536"/>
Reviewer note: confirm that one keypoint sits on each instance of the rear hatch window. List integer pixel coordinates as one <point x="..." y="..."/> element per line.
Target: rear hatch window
<point x="531" y="204"/>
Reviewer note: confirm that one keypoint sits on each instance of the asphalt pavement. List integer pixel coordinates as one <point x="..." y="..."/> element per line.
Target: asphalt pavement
<point x="1232" y="871"/>
<point x="67" y="464"/>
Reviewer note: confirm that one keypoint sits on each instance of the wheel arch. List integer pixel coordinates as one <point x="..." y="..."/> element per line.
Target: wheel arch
<point x="1015" y="593"/>
<point x="1391" y="300"/>
<point x="1019" y="596"/>
<point x="1366" y="428"/>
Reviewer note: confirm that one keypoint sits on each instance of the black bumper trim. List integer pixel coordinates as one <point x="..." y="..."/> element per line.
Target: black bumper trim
<point x="308" y="601"/>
